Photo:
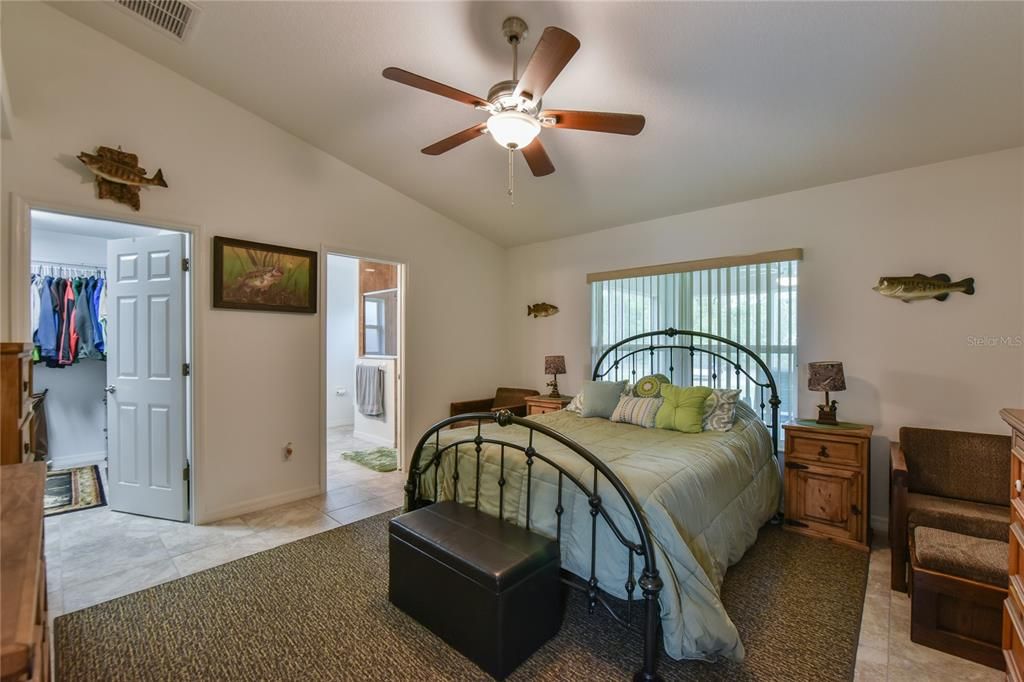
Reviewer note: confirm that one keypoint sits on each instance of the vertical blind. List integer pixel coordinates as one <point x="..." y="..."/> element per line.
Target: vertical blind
<point x="754" y="305"/>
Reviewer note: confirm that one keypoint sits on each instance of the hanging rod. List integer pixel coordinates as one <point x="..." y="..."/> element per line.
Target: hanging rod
<point x="79" y="266"/>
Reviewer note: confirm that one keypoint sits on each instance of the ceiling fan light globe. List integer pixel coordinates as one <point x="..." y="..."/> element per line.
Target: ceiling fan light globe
<point x="513" y="129"/>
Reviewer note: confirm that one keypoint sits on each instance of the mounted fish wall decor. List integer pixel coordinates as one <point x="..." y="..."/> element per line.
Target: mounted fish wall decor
<point x="920" y="287"/>
<point x="119" y="176"/>
<point x="541" y="310"/>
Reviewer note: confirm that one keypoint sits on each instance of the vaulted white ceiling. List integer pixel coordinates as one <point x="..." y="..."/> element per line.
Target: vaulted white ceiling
<point x="742" y="100"/>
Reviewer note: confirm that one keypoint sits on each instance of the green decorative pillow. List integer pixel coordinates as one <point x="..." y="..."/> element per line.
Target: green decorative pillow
<point x="650" y="386"/>
<point x="600" y="398"/>
<point x="683" y="409"/>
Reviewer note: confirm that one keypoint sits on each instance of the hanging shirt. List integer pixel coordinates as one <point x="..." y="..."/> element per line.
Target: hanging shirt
<point x="97" y="324"/>
<point x="83" y="319"/>
<point x="68" y="349"/>
<point x="33" y="304"/>
<point x="46" y="333"/>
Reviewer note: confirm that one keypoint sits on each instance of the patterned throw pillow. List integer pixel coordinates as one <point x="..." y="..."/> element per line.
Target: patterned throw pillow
<point x="639" y="411"/>
<point x="576" y="404"/>
<point x="720" y="409"/>
<point x="650" y="386"/>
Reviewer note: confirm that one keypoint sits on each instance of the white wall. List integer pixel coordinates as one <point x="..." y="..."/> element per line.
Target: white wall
<point x="257" y="375"/>
<point x="342" y="295"/>
<point x="75" y="412"/>
<point x="906" y="364"/>
<point x="379" y="430"/>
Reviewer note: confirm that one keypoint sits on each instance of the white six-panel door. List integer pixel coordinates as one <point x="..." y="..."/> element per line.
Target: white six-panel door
<point x="146" y="399"/>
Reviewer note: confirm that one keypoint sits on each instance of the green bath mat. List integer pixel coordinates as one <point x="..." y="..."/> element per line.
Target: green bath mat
<point x="378" y="459"/>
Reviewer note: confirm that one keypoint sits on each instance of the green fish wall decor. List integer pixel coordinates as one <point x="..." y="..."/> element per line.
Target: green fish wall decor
<point x="921" y="287"/>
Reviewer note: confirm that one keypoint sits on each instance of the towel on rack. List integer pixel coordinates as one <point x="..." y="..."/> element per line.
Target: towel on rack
<point x="370" y="390"/>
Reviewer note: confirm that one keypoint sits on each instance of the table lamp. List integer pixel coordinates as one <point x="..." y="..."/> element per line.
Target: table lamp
<point x="826" y="376"/>
<point x="554" y="365"/>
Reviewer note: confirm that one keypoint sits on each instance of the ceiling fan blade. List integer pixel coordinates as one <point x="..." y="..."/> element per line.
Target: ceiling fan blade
<point x="537" y="158"/>
<point x="597" y="121"/>
<point x="455" y="140"/>
<point x="554" y="50"/>
<point x="407" y="78"/>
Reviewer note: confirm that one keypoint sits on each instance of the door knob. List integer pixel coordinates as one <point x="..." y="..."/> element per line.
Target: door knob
<point x="1018" y="485"/>
<point x="110" y="389"/>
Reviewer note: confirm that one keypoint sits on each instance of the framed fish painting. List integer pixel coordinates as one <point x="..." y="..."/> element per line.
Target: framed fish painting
<point x="254" y="276"/>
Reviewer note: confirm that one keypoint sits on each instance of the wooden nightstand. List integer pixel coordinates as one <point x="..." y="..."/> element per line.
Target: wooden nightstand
<point x="539" y="404"/>
<point x="828" y="472"/>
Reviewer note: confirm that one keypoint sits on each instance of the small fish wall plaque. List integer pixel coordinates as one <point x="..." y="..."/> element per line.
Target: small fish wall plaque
<point x="921" y="287"/>
<point x="541" y="310"/>
<point x="119" y="176"/>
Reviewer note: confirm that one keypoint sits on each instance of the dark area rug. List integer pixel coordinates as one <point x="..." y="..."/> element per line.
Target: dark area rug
<point x="317" y="609"/>
<point x="69" y="490"/>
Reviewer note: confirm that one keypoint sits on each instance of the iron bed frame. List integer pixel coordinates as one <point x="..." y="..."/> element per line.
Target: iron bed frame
<point x="656" y="350"/>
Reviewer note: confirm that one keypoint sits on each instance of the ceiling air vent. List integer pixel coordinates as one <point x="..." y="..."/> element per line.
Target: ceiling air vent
<point x="171" y="16"/>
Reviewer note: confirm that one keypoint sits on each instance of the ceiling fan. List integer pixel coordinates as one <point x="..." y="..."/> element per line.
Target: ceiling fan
<point x="516" y="117"/>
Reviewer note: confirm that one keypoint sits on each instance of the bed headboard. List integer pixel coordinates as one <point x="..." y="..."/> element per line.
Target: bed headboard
<point x="695" y="359"/>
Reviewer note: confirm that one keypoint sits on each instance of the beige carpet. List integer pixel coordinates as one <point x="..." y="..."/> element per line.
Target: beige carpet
<point x="317" y="609"/>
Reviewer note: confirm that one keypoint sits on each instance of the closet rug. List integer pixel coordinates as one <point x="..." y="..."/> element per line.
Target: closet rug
<point x="71" y="490"/>
<point x="317" y="609"/>
<point x="378" y="459"/>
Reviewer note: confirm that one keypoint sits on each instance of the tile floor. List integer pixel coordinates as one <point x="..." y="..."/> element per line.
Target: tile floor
<point x="97" y="554"/>
<point x="886" y="652"/>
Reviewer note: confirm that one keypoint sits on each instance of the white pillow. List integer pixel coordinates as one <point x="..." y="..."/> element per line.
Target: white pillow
<point x="576" y="404"/>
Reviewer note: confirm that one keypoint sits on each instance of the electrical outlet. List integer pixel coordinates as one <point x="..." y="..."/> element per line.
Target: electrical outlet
<point x="289" y="450"/>
<point x="340" y="392"/>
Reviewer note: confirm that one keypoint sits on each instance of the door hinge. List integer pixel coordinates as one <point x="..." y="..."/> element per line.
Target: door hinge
<point x="794" y="522"/>
<point x="795" y="465"/>
<point x="185" y="472"/>
<point x="186" y="264"/>
<point x="186" y="369"/>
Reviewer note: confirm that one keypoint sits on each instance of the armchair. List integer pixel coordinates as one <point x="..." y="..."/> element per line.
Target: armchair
<point x="511" y="399"/>
<point x="949" y="480"/>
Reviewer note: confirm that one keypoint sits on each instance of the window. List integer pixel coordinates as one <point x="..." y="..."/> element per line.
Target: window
<point x="380" y="313"/>
<point x="754" y="305"/>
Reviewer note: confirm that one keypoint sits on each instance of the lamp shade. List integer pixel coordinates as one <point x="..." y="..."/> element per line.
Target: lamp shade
<point x="825" y="376"/>
<point x="554" y="364"/>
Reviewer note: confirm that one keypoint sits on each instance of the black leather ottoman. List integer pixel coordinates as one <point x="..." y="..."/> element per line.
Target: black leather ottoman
<point x="488" y="588"/>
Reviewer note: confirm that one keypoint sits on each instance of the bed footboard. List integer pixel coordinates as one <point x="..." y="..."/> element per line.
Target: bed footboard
<point x="636" y="541"/>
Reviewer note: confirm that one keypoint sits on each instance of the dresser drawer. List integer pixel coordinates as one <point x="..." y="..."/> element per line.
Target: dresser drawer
<point x="541" y="409"/>
<point x="833" y="450"/>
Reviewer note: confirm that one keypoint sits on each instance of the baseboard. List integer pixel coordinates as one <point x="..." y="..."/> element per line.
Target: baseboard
<point x="880" y="524"/>
<point x="376" y="440"/>
<point x="257" y="504"/>
<point x="82" y="460"/>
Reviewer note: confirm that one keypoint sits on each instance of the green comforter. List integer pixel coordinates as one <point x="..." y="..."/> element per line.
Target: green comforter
<point x="704" y="496"/>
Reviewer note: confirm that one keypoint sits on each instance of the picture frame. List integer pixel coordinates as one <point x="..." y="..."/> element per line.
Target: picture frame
<point x="256" y="276"/>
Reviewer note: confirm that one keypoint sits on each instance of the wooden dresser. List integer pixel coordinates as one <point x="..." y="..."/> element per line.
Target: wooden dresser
<point x="539" y="404"/>
<point x="828" y="469"/>
<point x="1013" y="607"/>
<point x="16" y="415"/>
<point x="24" y="642"/>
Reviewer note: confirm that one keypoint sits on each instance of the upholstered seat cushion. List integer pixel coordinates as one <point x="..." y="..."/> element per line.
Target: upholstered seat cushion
<point x="987" y="521"/>
<point x="965" y="556"/>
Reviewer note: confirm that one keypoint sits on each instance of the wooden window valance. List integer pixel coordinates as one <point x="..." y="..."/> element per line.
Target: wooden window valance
<point x="695" y="265"/>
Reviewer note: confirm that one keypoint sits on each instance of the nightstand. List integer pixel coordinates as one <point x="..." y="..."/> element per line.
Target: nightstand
<point x="827" y="477"/>
<point x="539" y="404"/>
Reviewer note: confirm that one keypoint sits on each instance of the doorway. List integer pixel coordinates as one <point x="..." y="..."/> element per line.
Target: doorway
<point x="363" y="392"/>
<point x="109" y="317"/>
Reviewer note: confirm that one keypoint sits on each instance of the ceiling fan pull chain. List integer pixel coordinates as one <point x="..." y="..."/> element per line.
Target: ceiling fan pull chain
<point x="511" y="179"/>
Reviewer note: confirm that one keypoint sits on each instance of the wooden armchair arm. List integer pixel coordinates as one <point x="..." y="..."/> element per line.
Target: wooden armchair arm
<point x="898" y="465"/>
<point x="464" y="406"/>
<point x="898" y="548"/>
<point x="517" y="410"/>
